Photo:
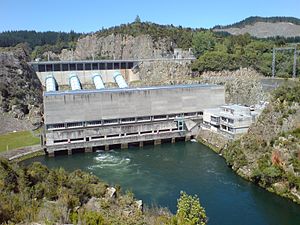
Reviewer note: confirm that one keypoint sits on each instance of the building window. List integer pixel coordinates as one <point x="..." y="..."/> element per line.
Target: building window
<point x="146" y="132"/>
<point x="160" y="117"/>
<point x="77" y="140"/>
<point x="55" y="126"/>
<point x="95" y="66"/>
<point x="97" y="137"/>
<point x="106" y="122"/>
<point x="144" y="118"/>
<point x="112" y="135"/>
<point x="109" y="66"/>
<point x="72" y="66"/>
<point x="41" y="68"/>
<point x="65" y="67"/>
<point x="76" y="124"/>
<point x="60" y="141"/>
<point x="130" y="65"/>
<point x="128" y="120"/>
<point x="87" y="66"/>
<point x="230" y="121"/>
<point x="49" y="67"/>
<point x="57" y="67"/>
<point x="214" y="119"/>
<point x="102" y="66"/>
<point x="132" y="134"/>
<point x="93" y="123"/>
<point x="123" y="65"/>
<point x="116" y="66"/>
<point x="190" y="114"/>
<point x="79" y="66"/>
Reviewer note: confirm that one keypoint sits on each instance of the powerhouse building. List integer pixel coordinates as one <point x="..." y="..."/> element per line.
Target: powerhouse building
<point x="87" y="120"/>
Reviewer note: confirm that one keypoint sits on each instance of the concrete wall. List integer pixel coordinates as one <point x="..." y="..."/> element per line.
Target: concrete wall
<point x="72" y="106"/>
<point x="85" y="77"/>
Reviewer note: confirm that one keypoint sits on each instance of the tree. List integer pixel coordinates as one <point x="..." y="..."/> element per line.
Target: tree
<point x="189" y="210"/>
<point x="137" y="19"/>
<point x="203" y="41"/>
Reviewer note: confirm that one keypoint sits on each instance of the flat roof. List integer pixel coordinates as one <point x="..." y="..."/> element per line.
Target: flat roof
<point x="235" y="107"/>
<point x="55" y="93"/>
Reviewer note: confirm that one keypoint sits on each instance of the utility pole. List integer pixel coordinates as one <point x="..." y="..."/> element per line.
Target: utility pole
<point x="295" y="62"/>
<point x="285" y="49"/>
<point x="273" y="62"/>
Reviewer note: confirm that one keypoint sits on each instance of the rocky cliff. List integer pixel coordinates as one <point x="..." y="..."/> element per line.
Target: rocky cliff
<point x="269" y="154"/>
<point x="20" y="88"/>
<point x="117" y="46"/>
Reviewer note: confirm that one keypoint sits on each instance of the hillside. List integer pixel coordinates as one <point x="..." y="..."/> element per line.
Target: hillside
<point x="264" y="27"/>
<point x="269" y="154"/>
<point x="20" y="88"/>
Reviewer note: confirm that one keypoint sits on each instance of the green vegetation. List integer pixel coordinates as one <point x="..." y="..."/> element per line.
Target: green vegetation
<point x="33" y="38"/>
<point x="189" y="210"/>
<point x="269" y="153"/>
<point x="216" y="52"/>
<point x="179" y="36"/>
<point x="17" y="139"/>
<point x="37" y="194"/>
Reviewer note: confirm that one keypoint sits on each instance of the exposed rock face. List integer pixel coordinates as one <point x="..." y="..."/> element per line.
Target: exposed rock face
<point x="266" y="29"/>
<point x="268" y="153"/>
<point x="242" y="86"/>
<point x="164" y="73"/>
<point x="117" y="46"/>
<point x="20" y="88"/>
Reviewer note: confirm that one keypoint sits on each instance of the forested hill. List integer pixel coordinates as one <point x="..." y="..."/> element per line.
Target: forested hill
<point x="264" y="27"/>
<point x="33" y="38"/>
<point x="254" y="19"/>
<point x="179" y="35"/>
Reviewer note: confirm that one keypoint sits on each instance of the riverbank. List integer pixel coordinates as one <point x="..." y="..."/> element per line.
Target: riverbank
<point x="220" y="145"/>
<point x="21" y="154"/>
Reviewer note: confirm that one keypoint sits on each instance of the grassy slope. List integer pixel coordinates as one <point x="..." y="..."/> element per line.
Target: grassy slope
<point x="17" y="140"/>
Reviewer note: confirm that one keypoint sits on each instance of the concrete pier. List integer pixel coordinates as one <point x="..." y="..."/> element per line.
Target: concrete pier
<point x="88" y="149"/>
<point x="124" y="145"/>
<point x="141" y="144"/>
<point x="157" y="142"/>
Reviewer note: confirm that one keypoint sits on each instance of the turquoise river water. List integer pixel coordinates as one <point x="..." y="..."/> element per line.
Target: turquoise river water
<point x="157" y="174"/>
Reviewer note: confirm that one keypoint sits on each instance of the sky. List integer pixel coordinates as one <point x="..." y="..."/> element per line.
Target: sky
<point x="90" y="16"/>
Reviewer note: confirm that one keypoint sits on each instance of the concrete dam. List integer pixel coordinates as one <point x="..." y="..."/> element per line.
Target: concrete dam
<point x="106" y="118"/>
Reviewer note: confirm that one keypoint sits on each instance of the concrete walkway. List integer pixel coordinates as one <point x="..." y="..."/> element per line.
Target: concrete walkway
<point x="17" y="153"/>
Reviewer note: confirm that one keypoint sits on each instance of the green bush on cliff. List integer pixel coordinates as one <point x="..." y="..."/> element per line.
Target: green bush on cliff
<point x="189" y="211"/>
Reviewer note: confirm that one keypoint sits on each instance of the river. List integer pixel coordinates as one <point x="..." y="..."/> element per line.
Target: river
<point x="157" y="174"/>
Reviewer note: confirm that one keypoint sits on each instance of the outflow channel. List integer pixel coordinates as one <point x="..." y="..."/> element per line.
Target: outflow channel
<point x="157" y="174"/>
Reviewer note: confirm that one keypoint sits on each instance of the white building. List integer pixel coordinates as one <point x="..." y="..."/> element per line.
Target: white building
<point x="231" y="120"/>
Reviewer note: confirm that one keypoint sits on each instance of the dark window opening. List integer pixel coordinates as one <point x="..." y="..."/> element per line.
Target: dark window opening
<point x="116" y="66"/>
<point x="87" y="66"/>
<point x="109" y="66"/>
<point x="49" y="67"/>
<point x="72" y="66"/>
<point x="41" y="68"/>
<point x="112" y="135"/>
<point x="61" y="141"/>
<point x="57" y="67"/>
<point x="130" y="65"/>
<point x="95" y="66"/>
<point x="79" y="66"/>
<point x="102" y="66"/>
<point x="123" y="65"/>
<point x="65" y="67"/>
